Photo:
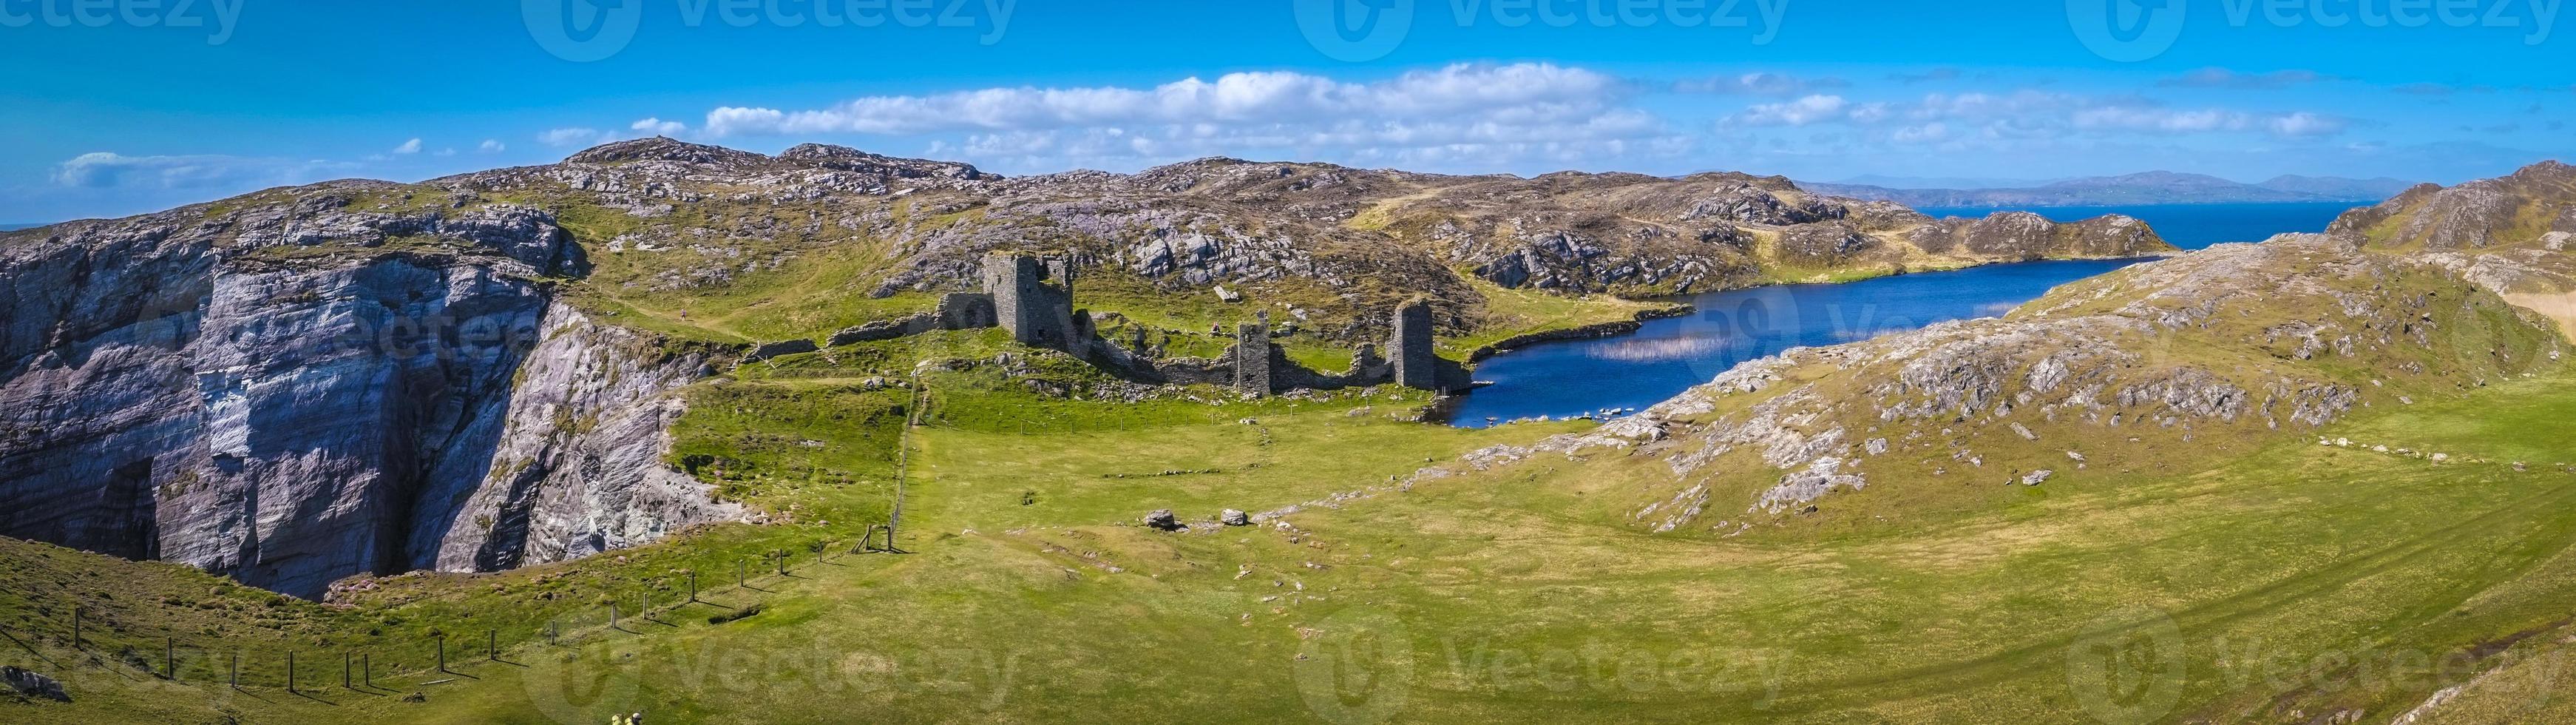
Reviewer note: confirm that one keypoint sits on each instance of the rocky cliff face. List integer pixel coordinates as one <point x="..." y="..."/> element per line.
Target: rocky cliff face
<point x="2510" y="235"/>
<point x="292" y="387"/>
<point x="2228" y="347"/>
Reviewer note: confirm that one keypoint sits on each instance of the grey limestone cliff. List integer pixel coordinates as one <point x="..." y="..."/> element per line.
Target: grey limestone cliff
<point x="299" y="387"/>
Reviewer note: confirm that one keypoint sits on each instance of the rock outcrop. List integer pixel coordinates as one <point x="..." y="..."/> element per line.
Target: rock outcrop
<point x="289" y="388"/>
<point x="687" y="218"/>
<point x="2229" y="346"/>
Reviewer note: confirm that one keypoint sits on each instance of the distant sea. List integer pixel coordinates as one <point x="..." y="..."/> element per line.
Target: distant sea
<point x="2192" y="226"/>
<point x="16" y="227"/>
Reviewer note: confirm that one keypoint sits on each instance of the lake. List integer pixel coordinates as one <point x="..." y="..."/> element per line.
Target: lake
<point x="2191" y="226"/>
<point x="1666" y="357"/>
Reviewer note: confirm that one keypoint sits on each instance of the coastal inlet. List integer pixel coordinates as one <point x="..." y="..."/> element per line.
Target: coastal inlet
<point x="1618" y="375"/>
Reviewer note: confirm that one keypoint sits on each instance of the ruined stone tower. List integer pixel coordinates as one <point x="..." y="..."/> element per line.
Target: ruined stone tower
<point x="1036" y="312"/>
<point x="1416" y="366"/>
<point x="1252" y="356"/>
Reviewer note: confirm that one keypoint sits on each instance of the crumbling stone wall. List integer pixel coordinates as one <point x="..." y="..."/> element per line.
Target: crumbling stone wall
<point x="1037" y="313"/>
<point x="1252" y="355"/>
<point x="1416" y="366"/>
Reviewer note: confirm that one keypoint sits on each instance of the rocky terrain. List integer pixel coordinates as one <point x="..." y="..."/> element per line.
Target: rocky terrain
<point x="479" y="372"/>
<point x="314" y="383"/>
<point x="1343" y="244"/>
<point x="2215" y="351"/>
<point x="2510" y="234"/>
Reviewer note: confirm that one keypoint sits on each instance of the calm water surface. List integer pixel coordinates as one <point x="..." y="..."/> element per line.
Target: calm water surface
<point x="1576" y="377"/>
<point x="1561" y="379"/>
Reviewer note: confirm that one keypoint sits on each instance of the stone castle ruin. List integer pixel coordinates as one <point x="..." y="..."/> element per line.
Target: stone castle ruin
<point x="1032" y="298"/>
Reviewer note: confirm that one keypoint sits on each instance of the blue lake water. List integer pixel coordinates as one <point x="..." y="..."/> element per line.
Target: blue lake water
<point x="2191" y="226"/>
<point x="1666" y="357"/>
<point x="1576" y="377"/>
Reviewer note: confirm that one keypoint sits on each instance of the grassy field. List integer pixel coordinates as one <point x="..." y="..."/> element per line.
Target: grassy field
<point x="2290" y="583"/>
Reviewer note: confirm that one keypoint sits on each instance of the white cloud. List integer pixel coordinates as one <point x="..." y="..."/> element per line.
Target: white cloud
<point x="109" y="170"/>
<point x="659" y="127"/>
<point x="1926" y="133"/>
<point x="2225" y="78"/>
<point x="1760" y="84"/>
<point x="408" y="147"/>
<point x="1811" y="109"/>
<point x="572" y="136"/>
<point x="492" y="146"/>
<point x="1526" y="92"/>
<point x="1464" y="117"/>
<point x="2030" y="114"/>
<point x="2307" y="124"/>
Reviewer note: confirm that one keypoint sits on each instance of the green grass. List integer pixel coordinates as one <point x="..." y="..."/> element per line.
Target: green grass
<point x="1031" y="596"/>
<point x="2284" y="577"/>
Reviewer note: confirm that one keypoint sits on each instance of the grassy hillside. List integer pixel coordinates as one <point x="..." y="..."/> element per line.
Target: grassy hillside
<point x="2284" y="581"/>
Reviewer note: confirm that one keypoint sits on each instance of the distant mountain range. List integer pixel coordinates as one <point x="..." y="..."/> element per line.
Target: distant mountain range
<point x="2153" y="187"/>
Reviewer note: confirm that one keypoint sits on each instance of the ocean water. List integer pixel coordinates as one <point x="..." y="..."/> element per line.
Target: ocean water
<point x="2191" y="226"/>
<point x="1666" y="357"/>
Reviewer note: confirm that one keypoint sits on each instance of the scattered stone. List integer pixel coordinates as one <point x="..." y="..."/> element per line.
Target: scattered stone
<point x="2036" y="477"/>
<point x="1228" y="296"/>
<point x="32" y="684"/>
<point x="2024" y="431"/>
<point x="1232" y="517"/>
<point x="1163" y="520"/>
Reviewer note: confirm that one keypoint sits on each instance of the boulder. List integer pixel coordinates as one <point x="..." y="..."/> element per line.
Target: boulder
<point x="33" y="685"/>
<point x="1232" y="517"/>
<point x="1163" y="520"/>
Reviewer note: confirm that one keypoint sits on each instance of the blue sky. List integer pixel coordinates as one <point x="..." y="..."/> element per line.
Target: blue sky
<point x="116" y="107"/>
